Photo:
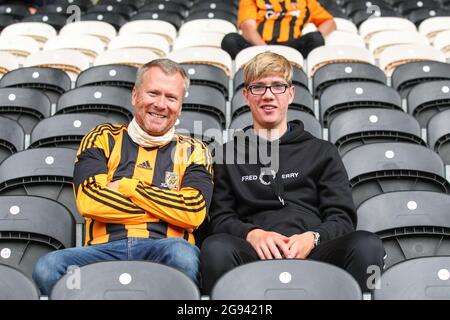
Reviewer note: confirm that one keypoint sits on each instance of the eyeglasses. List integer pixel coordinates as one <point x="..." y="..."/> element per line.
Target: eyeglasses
<point x="260" y="89"/>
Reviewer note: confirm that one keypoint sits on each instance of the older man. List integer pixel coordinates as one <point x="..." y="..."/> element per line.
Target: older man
<point x="142" y="188"/>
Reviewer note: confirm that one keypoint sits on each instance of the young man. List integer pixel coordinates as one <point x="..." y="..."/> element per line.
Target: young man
<point x="142" y="188"/>
<point x="279" y="22"/>
<point x="299" y="208"/>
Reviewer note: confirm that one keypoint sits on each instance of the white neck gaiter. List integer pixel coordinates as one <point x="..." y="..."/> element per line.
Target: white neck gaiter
<point x="145" y="140"/>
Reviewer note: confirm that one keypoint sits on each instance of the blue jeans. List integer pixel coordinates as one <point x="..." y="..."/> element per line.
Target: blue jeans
<point x="174" y="252"/>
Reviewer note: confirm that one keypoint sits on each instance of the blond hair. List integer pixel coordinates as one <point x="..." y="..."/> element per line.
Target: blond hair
<point x="267" y="64"/>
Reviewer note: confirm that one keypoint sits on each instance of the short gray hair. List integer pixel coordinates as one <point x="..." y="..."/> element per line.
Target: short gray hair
<point x="168" y="66"/>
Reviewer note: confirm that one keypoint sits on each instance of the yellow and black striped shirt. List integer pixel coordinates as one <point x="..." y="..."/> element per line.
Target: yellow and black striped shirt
<point x="163" y="192"/>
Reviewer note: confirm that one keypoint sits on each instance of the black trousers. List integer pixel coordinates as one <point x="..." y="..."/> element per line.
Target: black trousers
<point x="234" y="42"/>
<point x="354" y="252"/>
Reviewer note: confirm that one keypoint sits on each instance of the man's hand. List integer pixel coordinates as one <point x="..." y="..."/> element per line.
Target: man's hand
<point x="300" y="245"/>
<point x="268" y="244"/>
<point x="113" y="185"/>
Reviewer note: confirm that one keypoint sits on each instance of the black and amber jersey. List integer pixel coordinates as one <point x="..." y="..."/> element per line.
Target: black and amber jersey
<point x="282" y="20"/>
<point x="163" y="192"/>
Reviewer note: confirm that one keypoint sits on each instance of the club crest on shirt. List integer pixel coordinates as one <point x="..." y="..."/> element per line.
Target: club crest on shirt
<point x="171" y="181"/>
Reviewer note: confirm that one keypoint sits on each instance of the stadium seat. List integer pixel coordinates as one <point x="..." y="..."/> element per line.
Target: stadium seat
<point x="299" y="78"/>
<point x="342" y="97"/>
<point x="204" y="55"/>
<point x="427" y="99"/>
<point x="199" y="39"/>
<point x="135" y="4"/>
<point x="66" y="130"/>
<point x="420" y="15"/>
<point x="155" y="43"/>
<point x="311" y="124"/>
<point x="12" y="138"/>
<point x="114" y="75"/>
<point x="416" y="279"/>
<point x="397" y="55"/>
<point x="39" y="31"/>
<point x="410" y="74"/>
<point x="8" y="62"/>
<point x="372" y="26"/>
<point x="385" y="39"/>
<point x="20" y="46"/>
<point x="373" y="125"/>
<point x="216" y="14"/>
<point x="405" y="7"/>
<point x="431" y="27"/>
<point x="111" y="102"/>
<point x="26" y="106"/>
<point x="338" y="38"/>
<point x="118" y="8"/>
<point x="14" y="285"/>
<point x="57" y="21"/>
<point x="439" y="135"/>
<point x="411" y="224"/>
<point x="207" y="75"/>
<point x="100" y="29"/>
<point x="53" y="82"/>
<point x="207" y="25"/>
<point x="114" y="19"/>
<point x="135" y="57"/>
<point x="17" y="11"/>
<point x="303" y="101"/>
<point x="31" y="227"/>
<point x="294" y="56"/>
<point x="162" y="28"/>
<point x="363" y="15"/>
<point x="212" y="6"/>
<point x="334" y="73"/>
<point x="127" y="280"/>
<point x="286" y="280"/>
<point x="6" y="20"/>
<point x="206" y="99"/>
<point x="351" y="7"/>
<point x="201" y="125"/>
<point x="331" y="54"/>
<point x="83" y="4"/>
<point x="56" y="8"/>
<point x="90" y="46"/>
<point x="442" y="43"/>
<point x="170" y="7"/>
<point x="70" y="61"/>
<point x="395" y="166"/>
<point x="174" y="19"/>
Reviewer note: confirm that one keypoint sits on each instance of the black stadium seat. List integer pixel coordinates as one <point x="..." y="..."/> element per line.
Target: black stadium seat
<point x="26" y="106"/>
<point x="417" y="279"/>
<point x="31" y="227"/>
<point x="112" y="102"/>
<point x="6" y="20"/>
<point x="411" y="224"/>
<point x="362" y="15"/>
<point x="206" y="99"/>
<point x="186" y="4"/>
<point x="108" y="75"/>
<point x="124" y="10"/>
<point x="173" y="19"/>
<point x="407" y="75"/>
<point x="14" y="285"/>
<point x="312" y="125"/>
<point x="427" y="99"/>
<point x="218" y="14"/>
<point x="286" y="280"/>
<point x="114" y="19"/>
<point x="53" y="82"/>
<point x="334" y="73"/>
<point x="128" y="280"/>
<point x="163" y="6"/>
<point x="208" y="75"/>
<point x="56" y="20"/>
<point x="65" y="130"/>
<point x="342" y="97"/>
<point x="405" y="7"/>
<point x="364" y="126"/>
<point x="439" y="135"/>
<point x="384" y="167"/>
<point x="12" y="138"/>
<point x="17" y="11"/>
<point x="45" y="172"/>
<point x="201" y="125"/>
<point x="418" y="16"/>
<point x="135" y="4"/>
<point x="213" y="6"/>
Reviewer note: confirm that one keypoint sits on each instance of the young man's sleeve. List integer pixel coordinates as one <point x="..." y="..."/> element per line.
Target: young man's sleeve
<point x="185" y="208"/>
<point x="318" y="13"/>
<point x="336" y="201"/>
<point x="94" y="199"/>
<point x="247" y="10"/>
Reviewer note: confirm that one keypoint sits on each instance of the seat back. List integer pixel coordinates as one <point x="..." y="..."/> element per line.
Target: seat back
<point x="14" y="285"/>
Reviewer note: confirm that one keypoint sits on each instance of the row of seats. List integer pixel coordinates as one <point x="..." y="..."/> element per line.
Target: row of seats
<point x="416" y="279"/>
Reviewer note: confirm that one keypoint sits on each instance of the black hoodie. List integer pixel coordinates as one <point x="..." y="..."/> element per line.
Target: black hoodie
<point x="310" y="191"/>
